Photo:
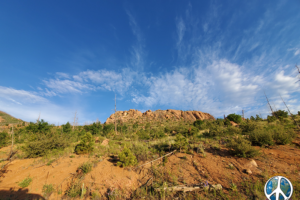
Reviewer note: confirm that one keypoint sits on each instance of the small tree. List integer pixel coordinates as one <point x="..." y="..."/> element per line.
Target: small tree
<point x="281" y="113"/>
<point x="235" y="118"/>
<point x="271" y="119"/>
<point x="180" y="142"/>
<point x="86" y="144"/>
<point x="127" y="158"/>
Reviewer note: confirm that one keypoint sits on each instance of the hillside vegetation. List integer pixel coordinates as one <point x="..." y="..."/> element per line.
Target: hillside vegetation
<point x="6" y="119"/>
<point x="212" y="155"/>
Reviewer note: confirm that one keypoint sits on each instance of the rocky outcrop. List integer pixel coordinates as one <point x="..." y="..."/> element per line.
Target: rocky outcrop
<point x="158" y="115"/>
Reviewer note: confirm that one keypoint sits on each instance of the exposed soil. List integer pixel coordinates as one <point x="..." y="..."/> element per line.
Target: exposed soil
<point x="186" y="168"/>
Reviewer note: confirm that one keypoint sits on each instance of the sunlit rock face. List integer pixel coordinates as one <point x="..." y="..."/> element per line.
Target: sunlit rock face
<point x="173" y="115"/>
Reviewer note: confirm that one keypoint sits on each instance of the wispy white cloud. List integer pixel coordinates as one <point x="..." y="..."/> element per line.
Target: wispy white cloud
<point x="137" y="50"/>
<point x="62" y="75"/>
<point x="66" y="86"/>
<point x="20" y="95"/>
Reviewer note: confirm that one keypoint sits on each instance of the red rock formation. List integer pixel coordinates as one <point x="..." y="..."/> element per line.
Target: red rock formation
<point x="135" y="115"/>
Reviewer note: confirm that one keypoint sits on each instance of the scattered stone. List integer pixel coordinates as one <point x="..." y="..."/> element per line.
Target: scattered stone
<point x="253" y="163"/>
<point x="105" y="142"/>
<point x="216" y="187"/>
<point x="247" y="171"/>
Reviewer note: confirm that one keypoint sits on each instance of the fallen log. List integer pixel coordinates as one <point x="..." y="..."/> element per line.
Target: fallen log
<point x="178" y="188"/>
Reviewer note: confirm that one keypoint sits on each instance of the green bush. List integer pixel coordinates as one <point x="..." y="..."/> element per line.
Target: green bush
<point x="298" y="112"/>
<point x="108" y="128"/>
<point x="258" y="118"/>
<point x="40" y="145"/>
<point x="127" y="158"/>
<point x="140" y="151"/>
<point x="192" y="131"/>
<point x="95" y="128"/>
<point x="86" y="144"/>
<point x="144" y="135"/>
<point x="214" y="131"/>
<point x="4" y="139"/>
<point x="48" y="189"/>
<point x="235" y="118"/>
<point x="282" y="136"/>
<point x="39" y="127"/>
<point x="75" y="189"/>
<point x="86" y="167"/>
<point x="281" y="113"/>
<point x="247" y="127"/>
<point x="199" y="124"/>
<point x="67" y="128"/>
<point x="242" y="148"/>
<point x="271" y="119"/>
<point x="180" y="142"/>
<point x="261" y="137"/>
<point x="227" y="122"/>
<point x="231" y="130"/>
<point x="219" y="122"/>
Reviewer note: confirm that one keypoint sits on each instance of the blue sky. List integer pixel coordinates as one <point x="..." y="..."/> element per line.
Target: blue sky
<point x="59" y="57"/>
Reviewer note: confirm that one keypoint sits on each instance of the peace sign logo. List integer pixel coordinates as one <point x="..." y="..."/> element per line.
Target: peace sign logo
<point x="278" y="188"/>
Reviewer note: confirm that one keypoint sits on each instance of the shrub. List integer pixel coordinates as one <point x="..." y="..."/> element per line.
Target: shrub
<point x="235" y="118"/>
<point x="231" y="130"/>
<point x="227" y="122"/>
<point x="199" y="124"/>
<point x="144" y="135"/>
<point x="281" y="113"/>
<point x="25" y="182"/>
<point x="180" y="142"/>
<point x="4" y="139"/>
<point x="258" y="118"/>
<point x="140" y="151"/>
<point x="192" y="131"/>
<point x="282" y="136"/>
<point x="252" y="118"/>
<point x="86" y="167"/>
<point x="219" y="122"/>
<point x="248" y="127"/>
<point x="214" y="131"/>
<point x="74" y="189"/>
<point x="126" y="158"/>
<point x="40" y="145"/>
<point x="67" y="128"/>
<point x="86" y="144"/>
<point x="261" y="137"/>
<point x="271" y="119"/>
<point x="242" y="148"/>
<point x="47" y="190"/>
<point x="298" y="112"/>
<point x="39" y="127"/>
<point x="107" y="128"/>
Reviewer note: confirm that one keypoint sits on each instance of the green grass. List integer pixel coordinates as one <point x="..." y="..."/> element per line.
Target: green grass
<point x="48" y="189"/>
<point x="25" y="182"/>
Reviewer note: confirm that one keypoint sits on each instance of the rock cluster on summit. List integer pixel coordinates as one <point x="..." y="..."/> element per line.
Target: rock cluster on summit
<point x="176" y="115"/>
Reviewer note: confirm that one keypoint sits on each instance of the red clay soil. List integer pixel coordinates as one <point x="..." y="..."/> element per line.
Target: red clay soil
<point x="189" y="169"/>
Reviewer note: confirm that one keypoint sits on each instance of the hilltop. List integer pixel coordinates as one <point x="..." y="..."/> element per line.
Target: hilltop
<point x="8" y="119"/>
<point x="158" y="115"/>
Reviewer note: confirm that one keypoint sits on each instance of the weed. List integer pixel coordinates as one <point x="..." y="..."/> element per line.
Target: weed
<point x="25" y="182"/>
<point x="47" y="190"/>
<point x="72" y="156"/>
<point x="233" y="187"/>
<point x="86" y="167"/>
